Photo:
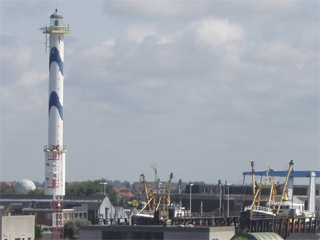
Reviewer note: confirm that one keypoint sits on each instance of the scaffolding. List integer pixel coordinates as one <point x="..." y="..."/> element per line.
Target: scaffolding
<point x="55" y="181"/>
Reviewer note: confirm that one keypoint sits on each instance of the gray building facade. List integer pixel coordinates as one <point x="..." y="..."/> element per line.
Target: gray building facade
<point x="155" y="232"/>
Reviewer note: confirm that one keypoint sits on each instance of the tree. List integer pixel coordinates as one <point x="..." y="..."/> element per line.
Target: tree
<point x="37" y="232"/>
<point x="36" y="192"/>
<point x="90" y="188"/>
<point x="5" y="189"/>
<point x="71" y="228"/>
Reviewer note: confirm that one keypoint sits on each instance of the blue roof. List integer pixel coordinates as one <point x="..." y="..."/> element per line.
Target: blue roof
<point x="293" y="174"/>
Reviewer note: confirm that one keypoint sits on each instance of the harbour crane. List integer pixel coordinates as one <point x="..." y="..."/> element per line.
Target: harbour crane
<point x="146" y="191"/>
<point x="155" y="177"/>
<point x="284" y="196"/>
<point x="253" y="178"/>
<point x="154" y="199"/>
<point x="169" y="191"/>
<point x="257" y="196"/>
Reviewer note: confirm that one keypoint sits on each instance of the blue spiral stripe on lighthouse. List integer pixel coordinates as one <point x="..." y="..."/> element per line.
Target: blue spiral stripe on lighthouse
<point x="55" y="57"/>
<point x="55" y="101"/>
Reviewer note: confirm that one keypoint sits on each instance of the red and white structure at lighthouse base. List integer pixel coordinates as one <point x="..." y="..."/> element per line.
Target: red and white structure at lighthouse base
<point x="55" y="150"/>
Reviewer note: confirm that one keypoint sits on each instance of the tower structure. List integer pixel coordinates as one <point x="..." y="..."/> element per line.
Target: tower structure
<point x="55" y="150"/>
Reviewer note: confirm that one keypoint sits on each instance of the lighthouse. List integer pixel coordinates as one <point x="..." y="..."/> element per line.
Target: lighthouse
<point x="55" y="151"/>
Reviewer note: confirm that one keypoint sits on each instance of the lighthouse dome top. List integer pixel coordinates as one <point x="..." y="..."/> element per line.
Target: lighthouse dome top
<point x="56" y="25"/>
<point x="56" y="15"/>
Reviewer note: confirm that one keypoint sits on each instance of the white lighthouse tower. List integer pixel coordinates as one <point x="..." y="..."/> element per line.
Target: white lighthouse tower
<point x="55" y="150"/>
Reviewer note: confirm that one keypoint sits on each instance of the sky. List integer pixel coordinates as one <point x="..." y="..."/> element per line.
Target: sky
<point x="197" y="88"/>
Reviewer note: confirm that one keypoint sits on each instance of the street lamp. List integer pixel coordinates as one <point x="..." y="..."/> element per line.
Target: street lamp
<point x="228" y="185"/>
<point x="191" y="184"/>
<point x="104" y="188"/>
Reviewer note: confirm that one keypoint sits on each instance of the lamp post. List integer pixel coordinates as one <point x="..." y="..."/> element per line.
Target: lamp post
<point x="228" y="185"/>
<point x="104" y="188"/>
<point x="191" y="184"/>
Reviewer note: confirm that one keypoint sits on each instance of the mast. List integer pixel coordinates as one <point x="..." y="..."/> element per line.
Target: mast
<point x="253" y="178"/>
<point x="284" y="196"/>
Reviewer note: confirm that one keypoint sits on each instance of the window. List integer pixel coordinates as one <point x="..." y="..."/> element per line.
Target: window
<point x="48" y="216"/>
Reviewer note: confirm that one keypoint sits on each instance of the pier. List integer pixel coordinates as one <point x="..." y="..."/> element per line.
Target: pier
<point x="281" y="225"/>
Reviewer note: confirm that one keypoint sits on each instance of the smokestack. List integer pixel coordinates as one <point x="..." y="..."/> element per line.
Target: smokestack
<point x="312" y="193"/>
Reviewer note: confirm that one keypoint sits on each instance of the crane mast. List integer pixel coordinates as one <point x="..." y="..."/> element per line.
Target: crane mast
<point x="155" y="178"/>
<point x="157" y="201"/>
<point x="284" y="196"/>
<point x="253" y="178"/>
<point x="169" y="190"/>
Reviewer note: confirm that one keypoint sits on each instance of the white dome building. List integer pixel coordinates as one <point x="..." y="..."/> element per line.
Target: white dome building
<point x="24" y="186"/>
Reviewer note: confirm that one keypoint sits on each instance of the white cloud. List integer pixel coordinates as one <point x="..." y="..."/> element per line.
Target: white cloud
<point x="277" y="52"/>
<point x="109" y="42"/>
<point x="158" y="81"/>
<point x="213" y="31"/>
<point x="170" y="37"/>
<point x="158" y="7"/>
<point x="153" y="83"/>
<point x="138" y="32"/>
<point x="186" y="9"/>
<point x="32" y="78"/>
<point x="18" y="56"/>
<point x="14" y="60"/>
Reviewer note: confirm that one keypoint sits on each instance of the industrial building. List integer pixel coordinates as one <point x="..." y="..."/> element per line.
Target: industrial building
<point x="15" y="227"/>
<point x="96" y="209"/>
<point x="155" y="232"/>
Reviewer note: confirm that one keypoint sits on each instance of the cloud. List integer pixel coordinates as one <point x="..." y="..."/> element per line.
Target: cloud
<point x="275" y="53"/>
<point x="137" y="33"/>
<point x="140" y="68"/>
<point x="21" y="82"/>
<point x="197" y="83"/>
<point x="213" y="31"/>
<point x="14" y="60"/>
<point x="109" y="42"/>
<point x="194" y="9"/>
<point x="156" y="7"/>
<point x="31" y="78"/>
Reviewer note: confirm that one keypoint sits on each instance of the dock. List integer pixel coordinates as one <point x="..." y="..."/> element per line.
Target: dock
<point x="282" y="225"/>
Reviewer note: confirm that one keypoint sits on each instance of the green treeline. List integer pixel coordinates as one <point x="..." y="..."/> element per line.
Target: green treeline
<point x="85" y="188"/>
<point x="93" y="188"/>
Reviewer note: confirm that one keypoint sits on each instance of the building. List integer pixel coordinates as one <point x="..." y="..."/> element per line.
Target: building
<point x="155" y="232"/>
<point x="15" y="227"/>
<point x="124" y="192"/>
<point x="96" y="209"/>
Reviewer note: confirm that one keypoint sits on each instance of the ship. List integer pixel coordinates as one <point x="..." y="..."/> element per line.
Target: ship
<point x="157" y="208"/>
